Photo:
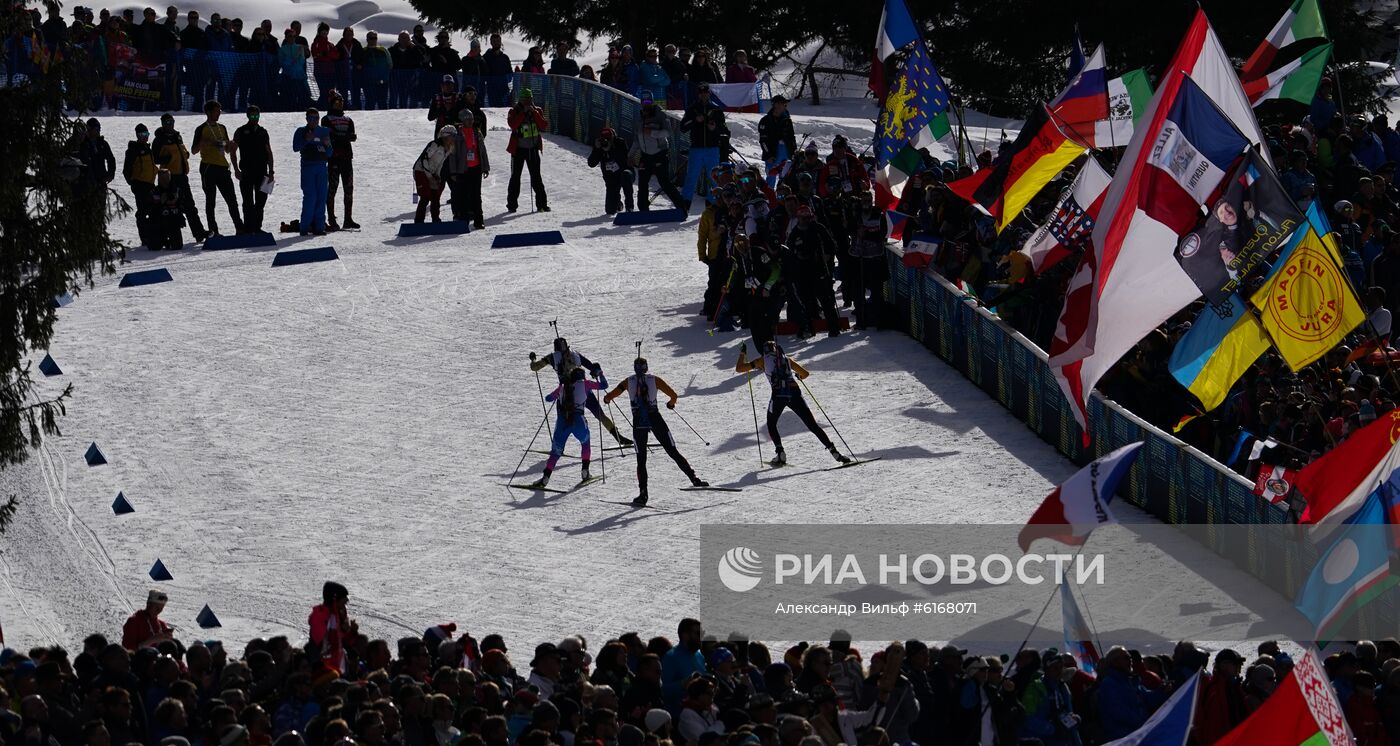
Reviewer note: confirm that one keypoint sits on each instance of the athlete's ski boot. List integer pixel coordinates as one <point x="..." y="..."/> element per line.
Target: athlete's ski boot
<point x="698" y="482"/>
<point x="585" y="476"/>
<point x="839" y="456"/>
<point x="780" y="459"/>
<point x="622" y="440"/>
<point x="542" y="482"/>
<point x="640" y="501"/>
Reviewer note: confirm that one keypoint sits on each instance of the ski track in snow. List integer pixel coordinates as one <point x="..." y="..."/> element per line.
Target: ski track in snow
<point x="356" y="420"/>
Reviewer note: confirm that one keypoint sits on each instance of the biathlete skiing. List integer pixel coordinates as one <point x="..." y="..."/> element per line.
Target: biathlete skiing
<point x="564" y="361"/>
<point x="783" y="373"/>
<point x="569" y="419"/>
<point x="642" y="388"/>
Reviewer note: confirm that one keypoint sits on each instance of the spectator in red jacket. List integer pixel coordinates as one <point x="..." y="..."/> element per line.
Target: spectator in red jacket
<point x="1362" y="713"/>
<point x="740" y="71"/>
<point x="145" y="628"/>
<point x="842" y="172"/>
<point x="331" y="626"/>
<point x="1222" y="699"/>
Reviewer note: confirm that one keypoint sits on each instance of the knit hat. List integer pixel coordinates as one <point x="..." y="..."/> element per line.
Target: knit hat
<point x="630" y="735"/>
<point x="449" y="79"/>
<point x="525" y="93"/>
<point x="447" y="131"/>
<point x="657" y="719"/>
<point x="141" y="128"/>
<point x="544" y="711"/>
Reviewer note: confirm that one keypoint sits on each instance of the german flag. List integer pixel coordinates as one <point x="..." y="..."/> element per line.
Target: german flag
<point x="1041" y="151"/>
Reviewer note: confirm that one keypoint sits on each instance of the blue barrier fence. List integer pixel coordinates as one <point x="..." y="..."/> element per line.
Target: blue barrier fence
<point x="1172" y="481"/>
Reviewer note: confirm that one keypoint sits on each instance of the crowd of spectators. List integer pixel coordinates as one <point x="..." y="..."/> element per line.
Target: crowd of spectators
<point x="339" y="687"/>
<point x="1346" y="164"/>
<point x="277" y="68"/>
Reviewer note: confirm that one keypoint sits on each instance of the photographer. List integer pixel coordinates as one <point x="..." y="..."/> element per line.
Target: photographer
<point x="527" y="125"/>
<point x="652" y="155"/>
<point x="610" y="155"/>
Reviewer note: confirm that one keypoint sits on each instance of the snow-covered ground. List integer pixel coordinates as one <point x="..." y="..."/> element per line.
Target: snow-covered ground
<point x="357" y="420"/>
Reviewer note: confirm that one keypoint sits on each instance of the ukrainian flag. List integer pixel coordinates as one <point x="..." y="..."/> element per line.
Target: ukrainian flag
<point x="1217" y="351"/>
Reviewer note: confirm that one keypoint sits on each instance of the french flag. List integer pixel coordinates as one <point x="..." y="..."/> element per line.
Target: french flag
<point x="1080" y="505"/>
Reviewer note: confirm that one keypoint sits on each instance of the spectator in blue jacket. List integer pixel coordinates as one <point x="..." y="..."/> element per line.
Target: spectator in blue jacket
<point x="1390" y="139"/>
<point x="563" y="64"/>
<point x="1122" y="700"/>
<point x="1365" y="145"/>
<point x="292" y="59"/>
<point x="651" y="76"/>
<point x="313" y="141"/>
<point x="680" y="662"/>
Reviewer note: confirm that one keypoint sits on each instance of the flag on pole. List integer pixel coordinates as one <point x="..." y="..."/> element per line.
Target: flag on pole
<point x="1079" y="639"/>
<point x="1295" y="81"/>
<point x="1306" y="303"/>
<point x="1302" y="21"/>
<point x="1336" y="485"/>
<point x="1075" y="63"/>
<point x="1080" y="505"/>
<point x="1128" y="97"/>
<point x="897" y="222"/>
<point x="1216" y="351"/>
<point x="1072" y="221"/>
<point x="1040" y="152"/>
<point x="1084" y="100"/>
<point x="914" y="114"/>
<point x="1303" y="710"/>
<point x="1171" y="724"/>
<point x="922" y="250"/>
<point x="1199" y="120"/>
<point x="897" y="31"/>
<point x="1351" y="573"/>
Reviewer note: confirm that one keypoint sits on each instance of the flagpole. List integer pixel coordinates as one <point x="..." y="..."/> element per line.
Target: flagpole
<point x="1055" y="591"/>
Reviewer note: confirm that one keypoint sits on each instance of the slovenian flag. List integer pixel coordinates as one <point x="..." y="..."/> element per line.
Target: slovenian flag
<point x="1296" y="81"/>
<point x="1302" y="21"/>
<point x="1080" y="505"/>
<point x="1302" y="710"/>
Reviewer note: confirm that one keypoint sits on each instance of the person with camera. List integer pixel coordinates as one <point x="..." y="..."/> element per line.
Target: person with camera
<point x="610" y="155"/>
<point x="652" y="155"/>
<point x="527" y="126"/>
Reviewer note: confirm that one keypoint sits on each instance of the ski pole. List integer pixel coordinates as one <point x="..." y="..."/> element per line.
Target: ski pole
<point x="718" y="307"/>
<point x="531" y="445"/>
<point x="540" y="386"/>
<point x="827" y="416"/>
<point x="753" y="403"/>
<point x="602" y="454"/>
<point x="697" y="434"/>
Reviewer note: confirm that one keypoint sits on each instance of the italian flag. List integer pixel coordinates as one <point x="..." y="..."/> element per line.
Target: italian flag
<point x="890" y="180"/>
<point x="1302" y="21"/>
<point x="1296" y="81"/>
<point x="1303" y="711"/>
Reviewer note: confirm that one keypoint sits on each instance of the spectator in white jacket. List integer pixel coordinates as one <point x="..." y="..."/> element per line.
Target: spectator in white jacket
<point x="698" y="715"/>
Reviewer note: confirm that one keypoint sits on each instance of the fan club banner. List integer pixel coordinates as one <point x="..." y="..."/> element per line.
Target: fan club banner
<point x="136" y="79"/>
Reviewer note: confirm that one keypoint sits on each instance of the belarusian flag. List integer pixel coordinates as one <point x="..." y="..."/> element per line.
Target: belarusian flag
<point x="1302" y="711"/>
<point x="1302" y="21"/>
<point x="1296" y="81"/>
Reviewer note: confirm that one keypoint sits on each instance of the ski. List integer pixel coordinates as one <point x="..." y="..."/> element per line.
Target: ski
<point x="623" y="448"/>
<point x="856" y="462"/>
<point x="629" y="504"/>
<point x="536" y="489"/>
<point x="562" y="455"/>
<point x="712" y="489"/>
